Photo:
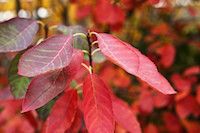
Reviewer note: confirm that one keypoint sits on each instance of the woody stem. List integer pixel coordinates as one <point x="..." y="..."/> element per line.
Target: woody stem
<point x="90" y="52"/>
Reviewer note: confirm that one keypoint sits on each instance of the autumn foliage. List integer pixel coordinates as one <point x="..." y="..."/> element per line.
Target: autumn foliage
<point x="103" y="66"/>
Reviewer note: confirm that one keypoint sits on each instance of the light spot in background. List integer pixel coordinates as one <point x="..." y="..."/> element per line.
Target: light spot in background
<point x="182" y="2"/>
<point x="24" y="14"/>
<point x="3" y="1"/>
<point x="161" y="4"/>
<point x="5" y="15"/>
<point x="43" y="12"/>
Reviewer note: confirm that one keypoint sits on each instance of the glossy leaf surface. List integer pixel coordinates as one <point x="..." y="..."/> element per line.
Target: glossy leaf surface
<point x="133" y="61"/>
<point x="51" y="54"/>
<point x="17" y="34"/>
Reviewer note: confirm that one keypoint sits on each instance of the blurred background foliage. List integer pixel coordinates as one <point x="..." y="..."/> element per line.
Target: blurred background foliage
<point x="167" y="31"/>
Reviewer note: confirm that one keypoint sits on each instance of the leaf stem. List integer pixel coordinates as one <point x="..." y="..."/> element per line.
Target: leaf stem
<point x="18" y="6"/>
<point x="46" y="30"/>
<point x="88" y="68"/>
<point x="94" y="43"/>
<point x="96" y="50"/>
<point x="85" y="51"/>
<point x="80" y="34"/>
<point x="90" y="51"/>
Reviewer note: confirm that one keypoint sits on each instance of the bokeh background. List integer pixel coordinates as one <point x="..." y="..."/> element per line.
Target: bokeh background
<point x="167" y="31"/>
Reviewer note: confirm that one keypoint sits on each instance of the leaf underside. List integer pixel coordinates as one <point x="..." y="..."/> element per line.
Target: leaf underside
<point x="51" y="54"/>
<point x="17" y="34"/>
<point x="44" y="88"/>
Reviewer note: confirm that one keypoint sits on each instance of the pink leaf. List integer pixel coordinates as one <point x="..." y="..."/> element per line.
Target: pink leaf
<point x="63" y="113"/>
<point x="53" y="53"/>
<point x="131" y="60"/>
<point x="97" y="105"/>
<point x="146" y="102"/>
<point x="124" y="116"/>
<point x="17" y="34"/>
<point x="45" y="87"/>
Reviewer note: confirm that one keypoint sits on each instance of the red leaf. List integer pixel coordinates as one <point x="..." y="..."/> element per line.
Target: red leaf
<point x="187" y="106"/>
<point x="124" y="116"/>
<point x="77" y="123"/>
<point x="198" y="94"/>
<point x="63" y="113"/>
<point x="31" y="117"/>
<point x="170" y="118"/>
<point x="181" y="83"/>
<point x="167" y="53"/>
<point x="160" y="100"/>
<point x="97" y="105"/>
<point x="131" y="60"/>
<point x="146" y="102"/>
<point x="17" y="34"/>
<point x="192" y="71"/>
<point x="151" y="128"/>
<point x="153" y="1"/>
<point x="45" y="87"/>
<point x="53" y="53"/>
<point x="191" y="126"/>
<point x="106" y="13"/>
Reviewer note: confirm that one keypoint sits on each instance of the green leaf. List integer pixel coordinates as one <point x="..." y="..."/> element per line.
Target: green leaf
<point x="98" y="57"/>
<point x="43" y="112"/>
<point x="18" y="84"/>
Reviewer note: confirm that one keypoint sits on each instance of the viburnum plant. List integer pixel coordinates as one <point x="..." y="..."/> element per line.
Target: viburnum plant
<point x="45" y="70"/>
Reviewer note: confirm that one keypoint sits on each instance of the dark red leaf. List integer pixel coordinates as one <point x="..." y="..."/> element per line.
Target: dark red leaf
<point x="97" y="105"/>
<point x="131" y="60"/>
<point x="124" y="116"/>
<point x="198" y="94"/>
<point x="45" y="87"/>
<point x="63" y="113"/>
<point x="53" y="53"/>
<point x="17" y="34"/>
<point x="170" y="118"/>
